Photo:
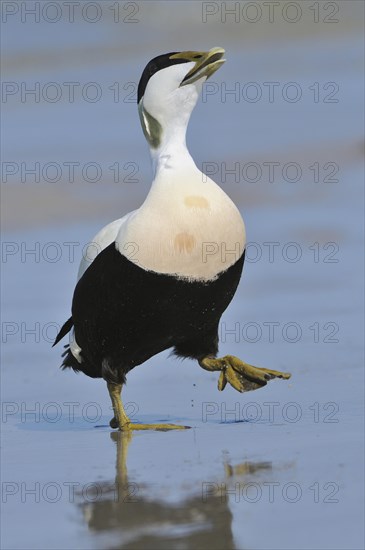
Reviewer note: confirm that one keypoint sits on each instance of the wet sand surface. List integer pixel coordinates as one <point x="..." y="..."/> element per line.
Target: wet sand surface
<point x="278" y="468"/>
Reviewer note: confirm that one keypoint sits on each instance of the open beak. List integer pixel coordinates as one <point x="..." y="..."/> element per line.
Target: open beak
<point x="206" y="63"/>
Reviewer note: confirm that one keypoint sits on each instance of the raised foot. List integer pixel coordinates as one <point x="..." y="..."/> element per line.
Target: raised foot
<point x="131" y="426"/>
<point x="242" y="376"/>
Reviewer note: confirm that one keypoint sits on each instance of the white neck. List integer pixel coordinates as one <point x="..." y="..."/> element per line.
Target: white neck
<point x="173" y="152"/>
<point x="165" y="124"/>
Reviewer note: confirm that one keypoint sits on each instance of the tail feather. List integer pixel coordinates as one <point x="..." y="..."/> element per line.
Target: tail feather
<point x="64" y="330"/>
<point x="69" y="360"/>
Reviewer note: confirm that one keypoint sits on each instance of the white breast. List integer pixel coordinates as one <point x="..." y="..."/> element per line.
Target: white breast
<point x="186" y="226"/>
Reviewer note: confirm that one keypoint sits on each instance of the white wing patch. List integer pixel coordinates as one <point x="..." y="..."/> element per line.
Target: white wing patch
<point x="104" y="238"/>
<point x="74" y="347"/>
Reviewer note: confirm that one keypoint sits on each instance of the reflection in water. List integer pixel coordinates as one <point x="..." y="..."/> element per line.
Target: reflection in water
<point x="245" y="468"/>
<point x="136" y="520"/>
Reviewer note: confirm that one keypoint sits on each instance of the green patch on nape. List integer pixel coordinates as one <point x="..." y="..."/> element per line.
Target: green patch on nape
<point x="152" y="129"/>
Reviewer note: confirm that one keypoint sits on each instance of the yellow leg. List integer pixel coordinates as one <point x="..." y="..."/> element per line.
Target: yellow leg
<point x="121" y="420"/>
<point x="242" y="376"/>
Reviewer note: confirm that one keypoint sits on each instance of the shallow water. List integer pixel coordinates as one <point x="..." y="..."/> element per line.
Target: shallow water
<point x="278" y="468"/>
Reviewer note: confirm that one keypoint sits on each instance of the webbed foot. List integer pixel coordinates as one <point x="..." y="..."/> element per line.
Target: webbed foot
<point x="242" y="376"/>
<point x="123" y="423"/>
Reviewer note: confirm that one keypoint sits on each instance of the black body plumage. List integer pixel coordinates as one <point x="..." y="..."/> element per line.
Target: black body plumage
<point x="123" y="315"/>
